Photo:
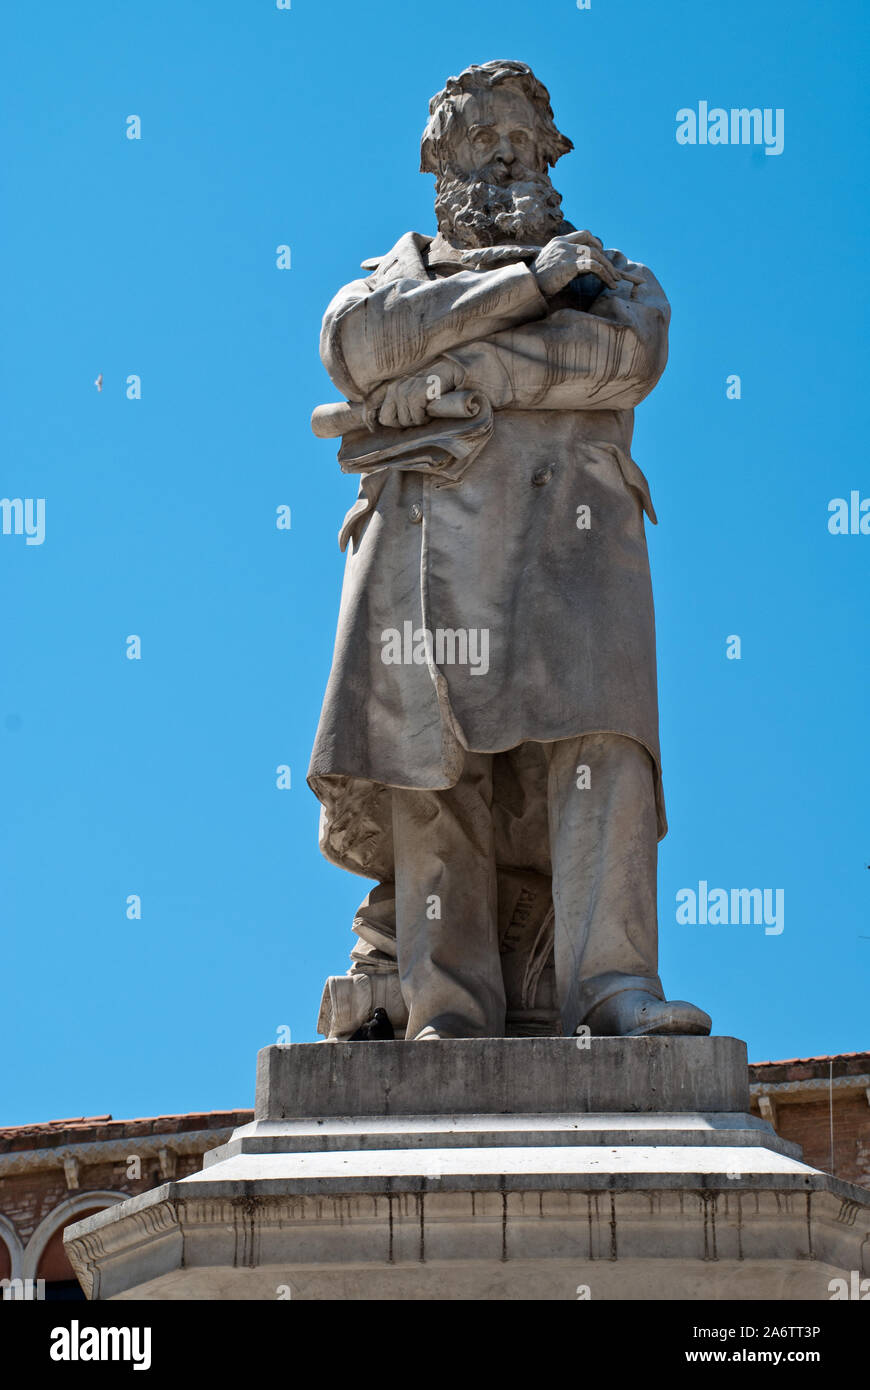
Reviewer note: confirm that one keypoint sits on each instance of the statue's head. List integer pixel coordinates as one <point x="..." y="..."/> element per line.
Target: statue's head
<point x="490" y="141"/>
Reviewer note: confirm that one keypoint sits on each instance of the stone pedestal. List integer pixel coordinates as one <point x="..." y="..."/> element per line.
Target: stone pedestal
<point x="517" y="1168"/>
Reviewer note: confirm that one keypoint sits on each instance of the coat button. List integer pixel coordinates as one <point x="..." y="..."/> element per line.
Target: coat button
<point x="415" y="513"/>
<point x="542" y="475"/>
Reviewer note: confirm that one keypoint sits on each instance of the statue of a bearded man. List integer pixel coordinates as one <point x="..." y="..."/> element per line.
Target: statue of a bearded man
<point x="488" y="748"/>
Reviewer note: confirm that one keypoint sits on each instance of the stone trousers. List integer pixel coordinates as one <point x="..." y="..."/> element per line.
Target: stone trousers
<point x="602" y="854"/>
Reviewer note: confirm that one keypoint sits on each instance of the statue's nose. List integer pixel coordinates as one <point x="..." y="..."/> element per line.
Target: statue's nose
<point x="505" y="156"/>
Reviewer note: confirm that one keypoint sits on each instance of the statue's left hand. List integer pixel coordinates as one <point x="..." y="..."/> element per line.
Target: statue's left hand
<point x="405" y="402"/>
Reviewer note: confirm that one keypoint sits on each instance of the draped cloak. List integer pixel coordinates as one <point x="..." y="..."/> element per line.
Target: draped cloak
<point x="479" y="526"/>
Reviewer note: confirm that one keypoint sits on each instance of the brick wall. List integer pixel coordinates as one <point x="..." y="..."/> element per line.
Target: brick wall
<point x="27" y="1198"/>
<point x="809" y="1125"/>
<point x="802" y="1090"/>
<point x="35" y="1183"/>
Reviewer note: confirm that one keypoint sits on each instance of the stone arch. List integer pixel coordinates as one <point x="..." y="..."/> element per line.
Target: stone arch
<point x="10" y="1240"/>
<point x="64" y="1213"/>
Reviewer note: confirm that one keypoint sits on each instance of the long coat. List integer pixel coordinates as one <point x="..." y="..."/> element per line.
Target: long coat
<point x="538" y="541"/>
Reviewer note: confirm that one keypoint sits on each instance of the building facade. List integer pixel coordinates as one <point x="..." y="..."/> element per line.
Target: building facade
<point x="55" y="1173"/>
<point x="823" y="1104"/>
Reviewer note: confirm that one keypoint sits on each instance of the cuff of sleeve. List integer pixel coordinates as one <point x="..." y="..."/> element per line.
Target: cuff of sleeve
<point x="533" y="288"/>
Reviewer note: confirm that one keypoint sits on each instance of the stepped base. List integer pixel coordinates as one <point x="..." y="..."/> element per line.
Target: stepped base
<point x="489" y="1169"/>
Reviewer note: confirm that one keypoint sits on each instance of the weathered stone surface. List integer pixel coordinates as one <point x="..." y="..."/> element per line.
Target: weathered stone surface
<point x="505" y="1175"/>
<point x="483" y="1224"/>
<point x="492" y="711"/>
<point x="413" y="1132"/>
<point x="502" y="1076"/>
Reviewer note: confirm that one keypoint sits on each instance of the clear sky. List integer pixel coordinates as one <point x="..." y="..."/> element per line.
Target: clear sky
<point x="157" y="258"/>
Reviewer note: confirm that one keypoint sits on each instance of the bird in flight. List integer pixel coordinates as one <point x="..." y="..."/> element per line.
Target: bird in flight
<point x="99" y="382"/>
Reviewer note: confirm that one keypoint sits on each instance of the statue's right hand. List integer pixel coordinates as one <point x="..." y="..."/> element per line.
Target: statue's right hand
<point x="578" y="253"/>
<point x="405" y="402"/>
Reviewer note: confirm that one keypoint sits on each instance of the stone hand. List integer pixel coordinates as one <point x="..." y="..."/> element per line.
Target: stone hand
<point x="578" y="253"/>
<point x="405" y="402"/>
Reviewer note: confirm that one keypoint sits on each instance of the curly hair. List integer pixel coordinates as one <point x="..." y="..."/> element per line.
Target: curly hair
<point x="437" y="141"/>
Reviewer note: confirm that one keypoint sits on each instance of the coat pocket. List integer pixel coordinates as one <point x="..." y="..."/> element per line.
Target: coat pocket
<point x="352" y="523"/>
<point x="370" y="488"/>
<point x="633" y="477"/>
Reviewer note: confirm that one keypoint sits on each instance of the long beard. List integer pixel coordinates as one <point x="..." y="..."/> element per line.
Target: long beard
<point x="478" y="212"/>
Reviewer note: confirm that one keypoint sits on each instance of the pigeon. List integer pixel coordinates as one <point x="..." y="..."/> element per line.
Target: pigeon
<point x="377" y="1029"/>
<point x="99" y="382"/>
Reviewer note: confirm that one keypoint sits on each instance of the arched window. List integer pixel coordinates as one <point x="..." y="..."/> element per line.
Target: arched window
<point x="11" y="1257"/>
<point x="45" y="1257"/>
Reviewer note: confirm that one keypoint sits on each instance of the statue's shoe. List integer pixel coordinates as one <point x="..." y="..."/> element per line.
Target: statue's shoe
<point x="429" y="1034"/>
<point x="633" y="1013"/>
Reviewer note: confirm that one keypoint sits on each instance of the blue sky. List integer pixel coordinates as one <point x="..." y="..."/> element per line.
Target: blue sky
<point x="156" y="257"/>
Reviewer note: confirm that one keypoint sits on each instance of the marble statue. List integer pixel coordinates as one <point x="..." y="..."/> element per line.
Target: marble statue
<point x="488" y="748"/>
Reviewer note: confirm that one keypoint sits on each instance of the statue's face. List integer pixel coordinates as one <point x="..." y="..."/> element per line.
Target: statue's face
<point x="496" y="135"/>
<point x="495" y="187"/>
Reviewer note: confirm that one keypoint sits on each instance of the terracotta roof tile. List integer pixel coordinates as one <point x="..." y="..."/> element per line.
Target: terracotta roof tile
<point x="76" y="1128"/>
<point x="799" y="1061"/>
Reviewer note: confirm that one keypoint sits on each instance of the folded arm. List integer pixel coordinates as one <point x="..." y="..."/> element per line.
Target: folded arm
<point x="609" y="358"/>
<point x="371" y="337"/>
